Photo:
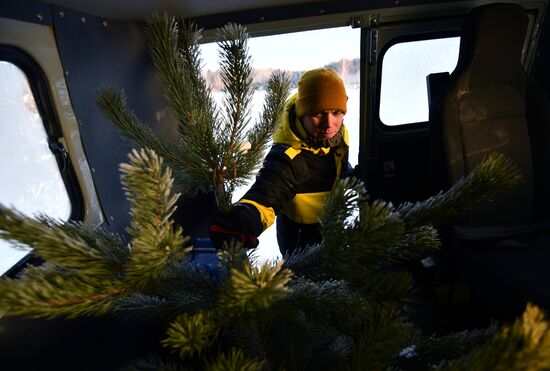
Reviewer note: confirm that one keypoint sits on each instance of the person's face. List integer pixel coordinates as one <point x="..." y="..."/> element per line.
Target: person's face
<point x="323" y="125"/>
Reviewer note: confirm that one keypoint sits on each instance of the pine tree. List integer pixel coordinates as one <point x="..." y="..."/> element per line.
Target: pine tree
<point x="336" y="305"/>
<point x="341" y="304"/>
<point x="216" y="150"/>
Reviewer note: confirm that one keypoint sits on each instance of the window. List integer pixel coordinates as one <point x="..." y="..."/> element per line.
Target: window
<point x="403" y="93"/>
<point x="338" y="48"/>
<point x="30" y="180"/>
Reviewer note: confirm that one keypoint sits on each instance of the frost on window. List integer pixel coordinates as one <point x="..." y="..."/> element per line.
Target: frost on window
<point x="29" y="176"/>
<point x="404" y="93"/>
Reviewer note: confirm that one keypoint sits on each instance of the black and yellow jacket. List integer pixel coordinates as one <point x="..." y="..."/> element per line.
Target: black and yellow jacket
<point x="293" y="183"/>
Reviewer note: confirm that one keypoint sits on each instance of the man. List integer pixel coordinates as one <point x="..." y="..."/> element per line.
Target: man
<point x="309" y="154"/>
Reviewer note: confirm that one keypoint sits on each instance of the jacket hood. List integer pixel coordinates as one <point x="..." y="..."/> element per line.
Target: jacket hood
<point x="285" y="135"/>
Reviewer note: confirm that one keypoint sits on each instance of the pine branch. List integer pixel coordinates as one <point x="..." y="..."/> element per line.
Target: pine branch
<point x="290" y="343"/>
<point x="324" y="303"/>
<point x="188" y="48"/>
<point x="50" y="292"/>
<point x="96" y="273"/>
<point x="111" y="246"/>
<point x="259" y="137"/>
<point x="85" y="280"/>
<point x="233" y="256"/>
<point x="435" y="350"/>
<point x="390" y="290"/>
<point x="250" y="152"/>
<point x="189" y="335"/>
<point x="306" y="326"/>
<point x="358" y="235"/>
<point x="68" y="245"/>
<point x="211" y="153"/>
<point x="349" y="222"/>
<point x="409" y="245"/>
<point x="340" y="208"/>
<point x="81" y="277"/>
<point x="234" y="361"/>
<point x="113" y="104"/>
<point x="244" y="333"/>
<point x="235" y="71"/>
<point x="524" y="345"/>
<point x="175" y="54"/>
<point x="329" y="351"/>
<point x="174" y="50"/>
<point x="189" y="276"/>
<point x="186" y="289"/>
<point x="143" y="307"/>
<point x="494" y="175"/>
<point x="156" y="244"/>
<point x="378" y="232"/>
<point x="278" y="89"/>
<point x="416" y="242"/>
<point x="306" y="262"/>
<point x="252" y="288"/>
<point x="380" y="344"/>
<point x="210" y="149"/>
<point x="154" y="363"/>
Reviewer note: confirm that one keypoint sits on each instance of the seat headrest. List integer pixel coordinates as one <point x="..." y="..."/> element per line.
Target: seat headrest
<point x="492" y="42"/>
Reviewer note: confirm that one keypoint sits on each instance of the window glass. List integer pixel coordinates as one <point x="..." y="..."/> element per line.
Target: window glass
<point x="404" y="94"/>
<point x="30" y="180"/>
<point x="338" y="48"/>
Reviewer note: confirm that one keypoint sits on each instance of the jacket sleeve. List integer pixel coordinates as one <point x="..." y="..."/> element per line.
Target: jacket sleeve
<point x="275" y="185"/>
<point x="277" y="180"/>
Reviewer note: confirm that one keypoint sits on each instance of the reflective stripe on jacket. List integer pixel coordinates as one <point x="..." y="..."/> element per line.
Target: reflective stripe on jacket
<point x="295" y="179"/>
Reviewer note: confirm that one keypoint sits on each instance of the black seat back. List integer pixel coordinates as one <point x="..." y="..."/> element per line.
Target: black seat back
<point x="484" y="108"/>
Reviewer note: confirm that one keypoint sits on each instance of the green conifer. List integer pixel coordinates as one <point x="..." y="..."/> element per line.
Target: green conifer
<point x="217" y="149"/>
<point x="342" y="304"/>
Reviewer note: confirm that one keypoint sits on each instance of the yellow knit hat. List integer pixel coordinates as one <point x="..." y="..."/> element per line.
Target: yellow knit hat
<point x="319" y="90"/>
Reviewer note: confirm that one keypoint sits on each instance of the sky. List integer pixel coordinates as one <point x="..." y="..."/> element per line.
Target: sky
<point x="308" y="49"/>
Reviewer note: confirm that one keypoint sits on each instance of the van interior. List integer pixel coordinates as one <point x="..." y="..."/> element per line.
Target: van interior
<point x="433" y="88"/>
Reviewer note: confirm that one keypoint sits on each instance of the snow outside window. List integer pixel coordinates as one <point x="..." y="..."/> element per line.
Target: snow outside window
<point x="30" y="180"/>
<point x="404" y="94"/>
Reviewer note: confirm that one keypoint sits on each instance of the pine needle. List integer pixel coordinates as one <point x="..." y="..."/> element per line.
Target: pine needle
<point x="52" y="292"/>
<point x="252" y="288"/>
<point x="493" y="176"/>
<point x="234" y="361"/>
<point x="213" y="152"/>
<point x="524" y="345"/>
<point x="190" y="334"/>
<point x="156" y="243"/>
<point x="95" y="252"/>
